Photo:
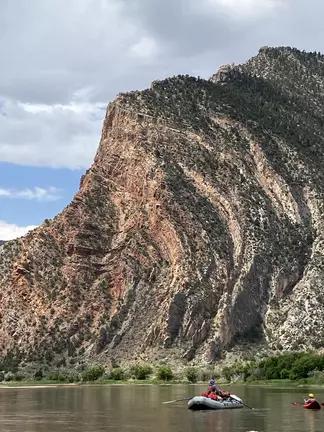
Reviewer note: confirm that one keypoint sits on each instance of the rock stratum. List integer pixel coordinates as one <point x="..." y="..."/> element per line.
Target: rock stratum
<point x="198" y="229"/>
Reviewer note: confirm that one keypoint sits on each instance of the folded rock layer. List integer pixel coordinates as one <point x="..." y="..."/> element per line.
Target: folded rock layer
<point x="197" y="230"/>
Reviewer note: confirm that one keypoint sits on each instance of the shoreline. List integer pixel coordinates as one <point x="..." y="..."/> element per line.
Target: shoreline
<point x="266" y="383"/>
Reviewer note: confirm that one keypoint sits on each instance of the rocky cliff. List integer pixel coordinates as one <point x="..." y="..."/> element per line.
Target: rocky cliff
<point x="197" y="230"/>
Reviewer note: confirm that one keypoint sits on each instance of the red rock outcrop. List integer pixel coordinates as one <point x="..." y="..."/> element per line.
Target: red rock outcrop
<point x="196" y="230"/>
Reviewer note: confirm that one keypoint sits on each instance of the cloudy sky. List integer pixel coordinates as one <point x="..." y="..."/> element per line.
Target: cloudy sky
<point x="62" y="61"/>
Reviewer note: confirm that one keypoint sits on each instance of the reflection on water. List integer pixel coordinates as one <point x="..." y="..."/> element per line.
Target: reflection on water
<point x="140" y="408"/>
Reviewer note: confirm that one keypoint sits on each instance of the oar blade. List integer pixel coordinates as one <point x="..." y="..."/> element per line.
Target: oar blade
<point x="240" y="400"/>
<point x="177" y="400"/>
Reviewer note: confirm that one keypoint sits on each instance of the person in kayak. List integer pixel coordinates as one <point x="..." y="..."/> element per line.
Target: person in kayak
<point x="311" y="399"/>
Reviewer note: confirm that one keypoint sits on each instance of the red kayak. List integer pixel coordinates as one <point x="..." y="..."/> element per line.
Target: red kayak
<point x="314" y="405"/>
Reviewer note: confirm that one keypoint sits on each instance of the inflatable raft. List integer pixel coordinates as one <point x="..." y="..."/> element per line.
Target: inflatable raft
<point x="199" y="403"/>
<point x="314" y="405"/>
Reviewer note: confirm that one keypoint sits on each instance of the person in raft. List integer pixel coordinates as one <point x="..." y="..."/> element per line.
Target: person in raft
<point x="211" y="393"/>
<point x="211" y="384"/>
<point x="218" y="391"/>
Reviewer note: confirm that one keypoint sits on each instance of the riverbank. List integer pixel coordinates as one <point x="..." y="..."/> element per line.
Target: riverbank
<point x="287" y="370"/>
<point x="48" y="383"/>
<point x="257" y="383"/>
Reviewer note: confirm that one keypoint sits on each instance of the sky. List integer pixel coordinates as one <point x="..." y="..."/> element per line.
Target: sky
<point x="62" y="61"/>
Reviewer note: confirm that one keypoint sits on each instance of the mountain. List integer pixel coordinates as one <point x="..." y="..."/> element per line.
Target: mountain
<point x="2" y="242"/>
<point x="197" y="231"/>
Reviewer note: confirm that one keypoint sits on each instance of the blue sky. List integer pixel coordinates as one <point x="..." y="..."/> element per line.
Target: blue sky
<point x="60" y="185"/>
<point x="63" y="61"/>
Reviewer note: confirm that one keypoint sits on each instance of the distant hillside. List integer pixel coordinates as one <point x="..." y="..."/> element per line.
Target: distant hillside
<point x="197" y="231"/>
<point x="2" y="242"/>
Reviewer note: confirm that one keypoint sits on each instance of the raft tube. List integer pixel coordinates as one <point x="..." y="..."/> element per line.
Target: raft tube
<point x="314" y="405"/>
<point x="199" y="403"/>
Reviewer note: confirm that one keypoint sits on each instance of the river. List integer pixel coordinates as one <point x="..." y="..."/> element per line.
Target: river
<point x="128" y="408"/>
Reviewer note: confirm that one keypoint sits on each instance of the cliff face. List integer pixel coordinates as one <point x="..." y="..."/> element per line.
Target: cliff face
<point x="198" y="228"/>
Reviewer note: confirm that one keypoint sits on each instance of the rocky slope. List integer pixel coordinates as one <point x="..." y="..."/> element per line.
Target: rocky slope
<point x="197" y="230"/>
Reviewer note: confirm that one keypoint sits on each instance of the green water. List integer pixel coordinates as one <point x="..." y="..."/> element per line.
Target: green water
<point x="139" y="408"/>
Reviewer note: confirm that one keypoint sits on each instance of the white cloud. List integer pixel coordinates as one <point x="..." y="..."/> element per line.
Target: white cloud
<point x="11" y="231"/>
<point x="145" y="48"/>
<point x="37" y="194"/>
<point x="245" y="9"/>
<point x="70" y="58"/>
<point x="55" y="135"/>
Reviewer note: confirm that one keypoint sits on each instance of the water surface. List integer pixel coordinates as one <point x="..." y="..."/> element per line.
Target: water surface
<point x="139" y="408"/>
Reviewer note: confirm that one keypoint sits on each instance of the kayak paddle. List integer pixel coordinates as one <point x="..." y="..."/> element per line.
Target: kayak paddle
<point x="178" y="400"/>
<point x="299" y="403"/>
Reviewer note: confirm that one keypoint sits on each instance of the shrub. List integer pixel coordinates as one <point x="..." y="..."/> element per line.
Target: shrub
<point x="64" y="376"/>
<point x="164" y="373"/>
<point x="205" y="374"/>
<point x="9" y="363"/>
<point x="192" y="374"/>
<point x="318" y="378"/>
<point x="53" y="376"/>
<point x="18" y="376"/>
<point x="117" y="374"/>
<point x="227" y="373"/>
<point x="9" y="376"/>
<point x="284" y="374"/>
<point x="73" y="377"/>
<point x="93" y="373"/>
<point x="2" y="377"/>
<point x="38" y="375"/>
<point x="141" y="372"/>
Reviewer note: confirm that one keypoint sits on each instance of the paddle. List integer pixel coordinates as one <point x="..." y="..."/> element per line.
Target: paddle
<point x="299" y="403"/>
<point x="248" y="406"/>
<point x="177" y="400"/>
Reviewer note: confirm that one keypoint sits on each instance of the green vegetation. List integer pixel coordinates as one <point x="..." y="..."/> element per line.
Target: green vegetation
<point x="302" y="367"/>
<point x="117" y="374"/>
<point x="293" y="368"/>
<point x="141" y="372"/>
<point x="93" y="374"/>
<point x="164" y="373"/>
<point x="82" y="374"/>
<point x="192" y="374"/>
<point x="9" y="363"/>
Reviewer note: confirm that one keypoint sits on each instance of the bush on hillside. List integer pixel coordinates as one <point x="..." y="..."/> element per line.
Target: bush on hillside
<point x="117" y="374"/>
<point x="38" y="375"/>
<point x="192" y="374"/>
<point x="206" y="374"/>
<point x="9" y="376"/>
<point x="141" y="372"/>
<point x="18" y="376"/>
<point x="93" y="373"/>
<point x="9" y="363"/>
<point x="164" y="373"/>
